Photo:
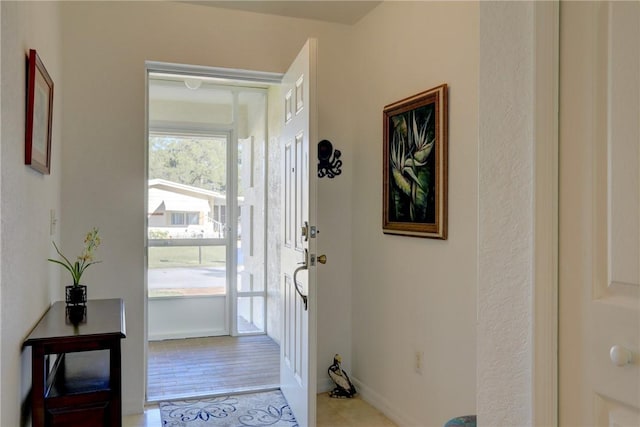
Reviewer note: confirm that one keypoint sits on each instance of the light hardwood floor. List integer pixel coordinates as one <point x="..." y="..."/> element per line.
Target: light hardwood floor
<point x="212" y="365"/>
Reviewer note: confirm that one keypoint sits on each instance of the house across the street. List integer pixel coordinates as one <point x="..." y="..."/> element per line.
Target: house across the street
<point x="183" y="211"/>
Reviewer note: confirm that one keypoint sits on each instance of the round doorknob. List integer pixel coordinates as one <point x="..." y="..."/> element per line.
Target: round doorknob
<point x="322" y="259"/>
<point x="620" y="356"/>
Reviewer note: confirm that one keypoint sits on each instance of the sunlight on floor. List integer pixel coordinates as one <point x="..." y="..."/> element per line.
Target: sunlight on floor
<point x="331" y="413"/>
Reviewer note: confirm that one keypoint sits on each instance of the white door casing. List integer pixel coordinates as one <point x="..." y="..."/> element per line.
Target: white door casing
<point x="599" y="223"/>
<point x="298" y="342"/>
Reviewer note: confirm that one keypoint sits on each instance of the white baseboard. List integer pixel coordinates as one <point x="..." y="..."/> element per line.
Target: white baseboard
<point x="131" y="407"/>
<point x="383" y="405"/>
<point x="325" y="384"/>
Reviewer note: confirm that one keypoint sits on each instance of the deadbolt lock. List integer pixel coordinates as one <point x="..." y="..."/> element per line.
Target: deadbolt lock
<point x="308" y="231"/>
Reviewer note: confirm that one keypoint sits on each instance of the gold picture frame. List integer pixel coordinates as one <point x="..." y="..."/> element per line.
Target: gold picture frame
<point x="415" y="159"/>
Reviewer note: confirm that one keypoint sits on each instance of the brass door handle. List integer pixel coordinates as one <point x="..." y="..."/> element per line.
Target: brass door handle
<point x="322" y="259"/>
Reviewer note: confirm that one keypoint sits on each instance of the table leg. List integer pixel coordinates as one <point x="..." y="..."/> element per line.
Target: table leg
<point x="37" y="386"/>
<point x="115" y="378"/>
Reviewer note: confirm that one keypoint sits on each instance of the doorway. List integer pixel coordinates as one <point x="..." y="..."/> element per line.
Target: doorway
<point x="206" y="232"/>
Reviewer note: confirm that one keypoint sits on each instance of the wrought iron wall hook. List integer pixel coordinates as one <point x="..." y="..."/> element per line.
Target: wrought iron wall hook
<point x="329" y="162"/>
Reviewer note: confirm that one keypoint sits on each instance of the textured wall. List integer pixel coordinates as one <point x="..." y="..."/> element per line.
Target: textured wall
<point x="28" y="282"/>
<point x="505" y="226"/>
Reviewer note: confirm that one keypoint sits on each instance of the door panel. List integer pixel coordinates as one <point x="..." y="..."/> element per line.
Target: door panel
<point x="599" y="268"/>
<point x="299" y="185"/>
<point x="298" y="352"/>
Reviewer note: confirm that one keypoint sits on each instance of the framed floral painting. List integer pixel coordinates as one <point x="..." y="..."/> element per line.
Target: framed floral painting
<point x="415" y="165"/>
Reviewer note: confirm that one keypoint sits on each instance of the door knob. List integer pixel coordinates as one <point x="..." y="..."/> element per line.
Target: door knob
<point x="620" y="356"/>
<point x="322" y="259"/>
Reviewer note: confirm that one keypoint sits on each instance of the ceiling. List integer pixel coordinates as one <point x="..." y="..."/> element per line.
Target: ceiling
<point x="342" y="12"/>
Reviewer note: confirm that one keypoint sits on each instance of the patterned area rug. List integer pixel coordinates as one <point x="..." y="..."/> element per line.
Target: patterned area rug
<point x="255" y="410"/>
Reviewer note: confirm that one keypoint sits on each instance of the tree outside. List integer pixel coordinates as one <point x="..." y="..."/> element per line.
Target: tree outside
<point x="201" y="162"/>
<point x="195" y="161"/>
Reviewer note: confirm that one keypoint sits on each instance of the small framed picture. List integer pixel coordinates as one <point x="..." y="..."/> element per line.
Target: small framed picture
<point x="39" y="115"/>
<point x="415" y="165"/>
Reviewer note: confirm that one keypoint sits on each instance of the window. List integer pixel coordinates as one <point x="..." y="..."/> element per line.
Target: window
<point x="193" y="218"/>
<point x="177" y="218"/>
<point x="185" y="218"/>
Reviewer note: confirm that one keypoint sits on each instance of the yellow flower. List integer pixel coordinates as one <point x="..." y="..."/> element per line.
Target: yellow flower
<point x="91" y="242"/>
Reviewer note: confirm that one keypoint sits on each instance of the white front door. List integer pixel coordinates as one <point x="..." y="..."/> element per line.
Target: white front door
<point x="599" y="224"/>
<point x="298" y="344"/>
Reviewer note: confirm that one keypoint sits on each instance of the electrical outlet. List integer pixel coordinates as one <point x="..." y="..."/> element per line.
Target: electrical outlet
<point x="418" y="362"/>
<point x="52" y="222"/>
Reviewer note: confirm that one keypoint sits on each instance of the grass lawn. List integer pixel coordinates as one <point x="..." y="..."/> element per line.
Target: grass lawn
<point x="182" y="292"/>
<point x="187" y="256"/>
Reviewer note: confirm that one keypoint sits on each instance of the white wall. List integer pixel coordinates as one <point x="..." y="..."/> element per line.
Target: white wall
<point x="105" y="47"/>
<point x="335" y="203"/>
<point x="185" y="317"/>
<point x="29" y="282"/>
<point x="412" y="294"/>
<point x="506" y="189"/>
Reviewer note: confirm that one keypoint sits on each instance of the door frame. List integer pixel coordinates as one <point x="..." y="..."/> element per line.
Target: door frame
<point x="264" y="77"/>
<point x="546" y="185"/>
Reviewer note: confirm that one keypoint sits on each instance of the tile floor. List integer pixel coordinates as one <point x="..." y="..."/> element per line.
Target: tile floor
<point x="331" y="413"/>
<point x="348" y="413"/>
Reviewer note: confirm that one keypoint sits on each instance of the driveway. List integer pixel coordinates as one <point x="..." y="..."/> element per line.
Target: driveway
<point x="187" y="281"/>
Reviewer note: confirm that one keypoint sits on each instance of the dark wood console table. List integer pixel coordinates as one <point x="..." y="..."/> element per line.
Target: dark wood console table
<point x="82" y="387"/>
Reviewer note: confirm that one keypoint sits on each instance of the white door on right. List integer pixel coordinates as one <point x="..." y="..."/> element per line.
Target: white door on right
<point x="599" y="223"/>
